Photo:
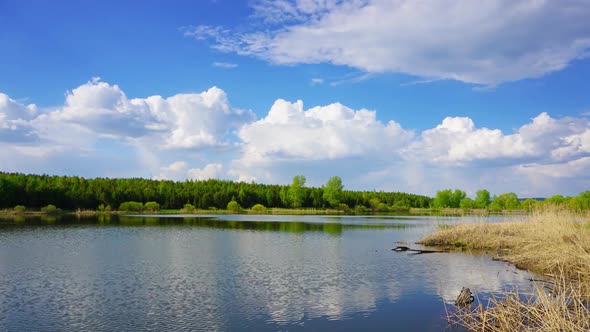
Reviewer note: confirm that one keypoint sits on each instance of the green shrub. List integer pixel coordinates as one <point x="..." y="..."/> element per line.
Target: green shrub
<point x="131" y="206"/>
<point x="382" y="207"/>
<point x="50" y="209"/>
<point x="233" y="206"/>
<point x="361" y="209"/>
<point x="188" y="208"/>
<point x="343" y="207"/>
<point x="152" y="206"/>
<point x="259" y="208"/>
<point x="104" y="208"/>
<point x="20" y="209"/>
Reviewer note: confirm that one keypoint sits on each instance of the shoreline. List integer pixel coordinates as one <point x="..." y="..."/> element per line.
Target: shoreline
<point x="554" y="243"/>
<point x="280" y="211"/>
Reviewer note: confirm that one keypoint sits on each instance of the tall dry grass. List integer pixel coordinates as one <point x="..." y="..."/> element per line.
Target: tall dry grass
<point x="552" y="241"/>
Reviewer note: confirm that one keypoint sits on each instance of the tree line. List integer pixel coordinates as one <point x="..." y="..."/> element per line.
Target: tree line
<point x="73" y="192"/>
<point x="507" y="201"/>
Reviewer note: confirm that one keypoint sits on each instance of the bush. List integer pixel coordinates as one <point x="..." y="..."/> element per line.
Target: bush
<point x="382" y="207"/>
<point x="343" y="207"/>
<point x="104" y="208"/>
<point x="50" y="209"/>
<point x="361" y="209"/>
<point x="188" y="208"/>
<point x="259" y="208"/>
<point x="131" y="206"/>
<point x="20" y="209"/>
<point x="233" y="206"/>
<point x="152" y="206"/>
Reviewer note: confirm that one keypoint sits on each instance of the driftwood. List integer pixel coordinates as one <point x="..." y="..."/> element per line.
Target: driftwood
<point x="417" y="251"/>
<point x="465" y="298"/>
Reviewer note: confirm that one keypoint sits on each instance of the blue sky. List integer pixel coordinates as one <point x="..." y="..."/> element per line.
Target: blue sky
<point x="395" y="95"/>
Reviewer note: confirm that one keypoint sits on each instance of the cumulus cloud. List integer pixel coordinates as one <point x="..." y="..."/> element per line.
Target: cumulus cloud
<point x="322" y="132"/>
<point x="456" y="141"/>
<point x="179" y="171"/>
<point x="14" y="120"/>
<point x="98" y="113"/>
<point x="100" y="131"/>
<point x="484" y="42"/>
<point x="210" y="171"/>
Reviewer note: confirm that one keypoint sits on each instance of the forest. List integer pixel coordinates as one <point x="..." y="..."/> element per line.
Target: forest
<point x="73" y="192"/>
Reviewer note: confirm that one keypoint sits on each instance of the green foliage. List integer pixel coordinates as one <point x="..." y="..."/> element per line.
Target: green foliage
<point x="152" y="206"/>
<point x="467" y="203"/>
<point x="556" y="200"/>
<point x="296" y="191"/>
<point x="448" y="198"/>
<point x="506" y="201"/>
<point x="482" y="199"/>
<point x="50" y="209"/>
<point x="233" y="206"/>
<point x="20" y="209"/>
<point x="343" y="207"/>
<point x="188" y="208"/>
<point x="72" y="193"/>
<point x="382" y="207"/>
<point x="333" y="191"/>
<point x="259" y="208"/>
<point x="529" y="204"/>
<point x="131" y="206"/>
<point x="104" y="208"/>
<point x="361" y="209"/>
<point x="581" y="202"/>
<point x="374" y="203"/>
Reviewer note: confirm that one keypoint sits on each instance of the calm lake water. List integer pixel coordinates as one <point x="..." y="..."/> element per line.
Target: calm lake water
<point x="238" y="273"/>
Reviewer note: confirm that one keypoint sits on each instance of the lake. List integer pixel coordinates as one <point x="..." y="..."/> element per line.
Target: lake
<point x="234" y="272"/>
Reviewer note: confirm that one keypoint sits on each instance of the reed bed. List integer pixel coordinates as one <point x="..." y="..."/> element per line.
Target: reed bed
<point x="553" y="242"/>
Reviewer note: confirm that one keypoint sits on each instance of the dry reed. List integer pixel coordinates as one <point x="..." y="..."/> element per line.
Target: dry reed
<point x="554" y="242"/>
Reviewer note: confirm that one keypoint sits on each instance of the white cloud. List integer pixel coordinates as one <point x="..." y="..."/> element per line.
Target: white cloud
<point x="323" y="132"/>
<point x="99" y="131"/>
<point x="317" y="81"/>
<point x="225" y="65"/>
<point x="210" y="171"/>
<point x="482" y="42"/>
<point x="179" y="171"/>
<point x="97" y="113"/>
<point x="191" y="120"/>
<point x="14" y="120"/>
<point x="457" y="141"/>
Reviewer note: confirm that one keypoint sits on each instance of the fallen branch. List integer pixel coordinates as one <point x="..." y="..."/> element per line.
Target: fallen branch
<point x="417" y="251"/>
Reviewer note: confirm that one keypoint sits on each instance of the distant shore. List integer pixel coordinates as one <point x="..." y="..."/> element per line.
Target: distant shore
<point x="276" y="211"/>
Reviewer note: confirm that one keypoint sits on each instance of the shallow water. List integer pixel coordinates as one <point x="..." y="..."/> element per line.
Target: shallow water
<point x="235" y="272"/>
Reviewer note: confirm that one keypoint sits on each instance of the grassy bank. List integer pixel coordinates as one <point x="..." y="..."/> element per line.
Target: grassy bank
<point x="553" y="242"/>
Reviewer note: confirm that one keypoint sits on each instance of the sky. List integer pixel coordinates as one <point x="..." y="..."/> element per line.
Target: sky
<point x="394" y="95"/>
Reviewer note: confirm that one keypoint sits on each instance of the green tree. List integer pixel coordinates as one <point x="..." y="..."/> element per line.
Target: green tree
<point x="442" y="199"/>
<point x="556" y="199"/>
<point x="258" y="208"/>
<point x="20" y="209"/>
<point x="333" y="191"/>
<point x="188" y="208"/>
<point x="152" y="206"/>
<point x="456" y="197"/>
<point x="233" y="206"/>
<point x="296" y="191"/>
<point x="131" y="206"/>
<point x="467" y="203"/>
<point x="50" y="209"/>
<point x="482" y="199"/>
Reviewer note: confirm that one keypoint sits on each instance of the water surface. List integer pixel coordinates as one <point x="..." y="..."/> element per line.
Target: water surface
<point x="235" y="272"/>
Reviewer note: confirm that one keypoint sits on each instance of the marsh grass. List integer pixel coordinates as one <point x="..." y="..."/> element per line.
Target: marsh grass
<point x="552" y="241"/>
